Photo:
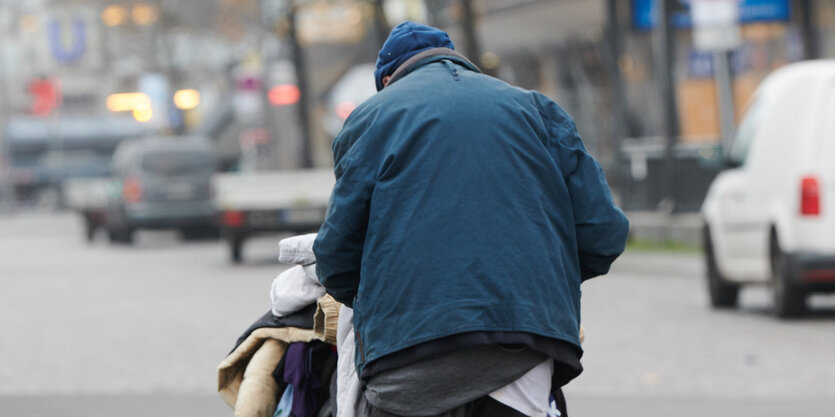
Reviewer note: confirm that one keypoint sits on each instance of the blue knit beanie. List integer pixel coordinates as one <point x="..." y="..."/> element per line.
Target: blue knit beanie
<point x="405" y="41"/>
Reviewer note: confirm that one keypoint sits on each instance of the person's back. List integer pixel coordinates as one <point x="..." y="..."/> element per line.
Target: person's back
<point x="465" y="215"/>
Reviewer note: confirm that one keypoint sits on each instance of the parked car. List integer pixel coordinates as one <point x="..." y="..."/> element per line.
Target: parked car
<point x="165" y="183"/>
<point x="770" y="215"/>
<point x="260" y="203"/>
<point x="44" y="153"/>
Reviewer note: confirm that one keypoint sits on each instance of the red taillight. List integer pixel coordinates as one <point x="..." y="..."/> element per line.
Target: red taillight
<point x="810" y="201"/>
<point x="344" y="109"/>
<point x="132" y="190"/>
<point x="284" y="95"/>
<point x="233" y="218"/>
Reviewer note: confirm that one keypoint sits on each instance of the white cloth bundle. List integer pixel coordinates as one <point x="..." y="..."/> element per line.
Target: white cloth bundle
<point x="298" y="287"/>
<point x="348" y="387"/>
<point x="297" y="250"/>
<point x="294" y="289"/>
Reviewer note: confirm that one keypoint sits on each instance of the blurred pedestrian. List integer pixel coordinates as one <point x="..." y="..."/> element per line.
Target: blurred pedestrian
<point x="465" y="215"/>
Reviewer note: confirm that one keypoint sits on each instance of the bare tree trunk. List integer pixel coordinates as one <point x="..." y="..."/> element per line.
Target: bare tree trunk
<point x="809" y="32"/>
<point x="381" y="24"/>
<point x="472" y="47"/>
<point x="666" y="66"/>
<point x="300" y="64"/>
<point x="619" y="129"/>
<point x="615" y="77"/>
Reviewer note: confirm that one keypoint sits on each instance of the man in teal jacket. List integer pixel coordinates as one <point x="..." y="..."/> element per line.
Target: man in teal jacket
<point x="465" y="216"/>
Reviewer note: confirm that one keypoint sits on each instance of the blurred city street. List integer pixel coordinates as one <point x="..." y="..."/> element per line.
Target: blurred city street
<point x="154" y="152"/>
<point x="101" y="330"/>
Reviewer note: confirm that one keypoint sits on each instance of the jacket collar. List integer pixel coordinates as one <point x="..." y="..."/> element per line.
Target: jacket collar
<point x="429" y="56"/>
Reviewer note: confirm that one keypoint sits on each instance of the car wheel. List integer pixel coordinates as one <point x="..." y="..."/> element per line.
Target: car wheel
<point x="789" y="298"/>
<point x="128" y="235"/>
<point x="236" y="247"/>
<point x="118" y="228"/>
<point x="89" y="229"/>
<point x="723" y="294"/>
<point x="123" y="235"/>
<point x="112" y="236"/>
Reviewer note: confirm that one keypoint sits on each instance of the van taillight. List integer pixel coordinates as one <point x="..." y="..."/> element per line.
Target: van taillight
<point x="233" y="218"/>
<point x="132" y="190"/>
<point x="810" y="201"/>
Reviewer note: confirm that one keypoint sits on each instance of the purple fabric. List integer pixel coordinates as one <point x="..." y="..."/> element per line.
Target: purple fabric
<point x="297" y="372"/>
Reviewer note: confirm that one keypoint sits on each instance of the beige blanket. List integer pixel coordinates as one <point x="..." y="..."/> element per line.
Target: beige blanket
<point x="244" y="378"/>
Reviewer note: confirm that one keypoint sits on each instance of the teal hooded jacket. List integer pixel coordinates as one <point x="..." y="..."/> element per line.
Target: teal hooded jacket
<point x="462" y="204"/>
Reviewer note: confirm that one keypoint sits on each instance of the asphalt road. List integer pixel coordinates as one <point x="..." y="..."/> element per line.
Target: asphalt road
<point x="97" y="330"/>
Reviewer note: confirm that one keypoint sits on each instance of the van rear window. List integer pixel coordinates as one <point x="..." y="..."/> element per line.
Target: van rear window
<point x="176" y="163"/>
<point x="746" y="132"/>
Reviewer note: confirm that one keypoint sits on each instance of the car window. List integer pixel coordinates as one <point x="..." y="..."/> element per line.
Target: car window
<point x="745" y="133"/>
<point x="167" y="163"/>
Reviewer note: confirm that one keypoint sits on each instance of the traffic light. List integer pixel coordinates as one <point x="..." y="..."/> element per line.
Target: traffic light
<point x="46" y="96"/>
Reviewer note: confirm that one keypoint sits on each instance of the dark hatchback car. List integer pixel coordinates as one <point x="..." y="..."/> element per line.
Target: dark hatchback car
<point x="165" y="183"/>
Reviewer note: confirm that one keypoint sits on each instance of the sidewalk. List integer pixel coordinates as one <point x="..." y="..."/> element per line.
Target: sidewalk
<point x="661" y="227"/>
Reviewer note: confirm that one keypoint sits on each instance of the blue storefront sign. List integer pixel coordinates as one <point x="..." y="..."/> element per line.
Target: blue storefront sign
<point x="58" y="47"/>
<point x="750" y="11"/>
<point x="701" y="64"/>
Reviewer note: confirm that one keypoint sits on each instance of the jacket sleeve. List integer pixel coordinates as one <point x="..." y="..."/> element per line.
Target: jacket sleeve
<point x="601" y="227"/>
<point x="339" y="244"/>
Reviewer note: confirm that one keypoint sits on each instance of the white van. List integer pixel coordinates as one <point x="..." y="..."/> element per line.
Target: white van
<point x="770" y="216"/>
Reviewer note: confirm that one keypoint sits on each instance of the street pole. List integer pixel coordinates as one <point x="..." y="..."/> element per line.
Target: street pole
<point x="666" y="63"/>
<point x="472" y="47"/>
<point x="811" y="48"/>
<point x="381" y="24"/>
<point x="724" y="91"/>
<point x="618" y="108"/>
<point x="7" y="202"/>
<point x="166" y="66"/>
<point x="300" y="65"/>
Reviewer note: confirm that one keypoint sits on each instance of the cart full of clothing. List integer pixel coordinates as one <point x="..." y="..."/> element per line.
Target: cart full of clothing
<point x="286" y="362"/>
